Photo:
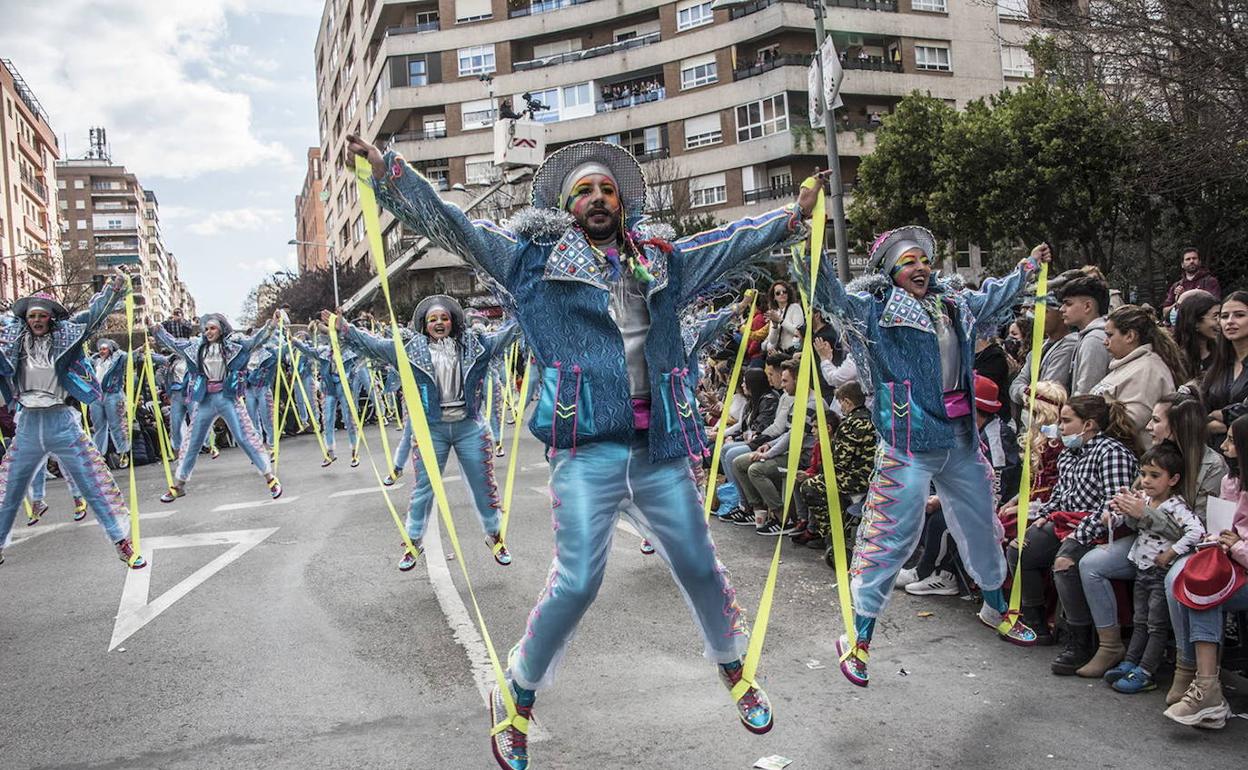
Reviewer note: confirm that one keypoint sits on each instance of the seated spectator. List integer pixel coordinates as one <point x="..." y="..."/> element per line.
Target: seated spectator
<point x="1195" y="697"/>
<point x="1085" y="303"/>
<point x="1146" y="365"/>
<point x="1196" y="331"/>
<point x="1180" y="418"/>
<point x="761" y="400"/>
<point x="1056" y="356"/>
<point x="992" y="362"/>
<point x="786" y="320"/>
<point x="1225" y="386"/>
<point x="853" y="457"/>
<point x="1044" y="437"/>
<point x="1098" y="461"/>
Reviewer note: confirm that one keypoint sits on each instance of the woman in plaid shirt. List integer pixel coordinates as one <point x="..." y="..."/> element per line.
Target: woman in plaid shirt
<point x="1099" y="459"/>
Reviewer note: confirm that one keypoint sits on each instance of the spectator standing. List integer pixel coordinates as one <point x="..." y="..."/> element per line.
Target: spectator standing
<point x="992" y="362"/>
<point x="178" y="326"/>
<point x="1146" y="365"/>
<point x="1225" y="386"/>
<point x="1195" y="276"/>
<point x="1085" y="301"/>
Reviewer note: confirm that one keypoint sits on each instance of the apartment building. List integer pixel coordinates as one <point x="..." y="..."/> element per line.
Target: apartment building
<point x="714" y="100"/>
<point x="111" y="220"/>
<point x="311" y="247"/>
<point x="30" y="254"/>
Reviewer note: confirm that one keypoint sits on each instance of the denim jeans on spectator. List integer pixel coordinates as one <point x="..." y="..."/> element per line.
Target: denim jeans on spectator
<point x="1039" y="552"/>
<point x="1101" y="565"/>
<point x="731" y="451"/>
<point x="1152" y="619"/>
<point x="1191" y="625"/>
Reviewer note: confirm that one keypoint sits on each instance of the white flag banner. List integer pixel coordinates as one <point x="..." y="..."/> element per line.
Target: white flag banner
<point x="833" y="73"/>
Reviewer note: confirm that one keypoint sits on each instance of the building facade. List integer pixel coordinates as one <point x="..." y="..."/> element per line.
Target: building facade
<point x="110" y="220"/>
<point x="312" y="248"/>
<point x="713" y="102"/>
<point x="30" y="253"/>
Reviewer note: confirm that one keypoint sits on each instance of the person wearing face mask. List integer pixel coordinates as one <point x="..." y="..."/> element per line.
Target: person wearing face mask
<point x="108" y="414"/>
<point x="334" y="395"/>
<point x="44" y="373"/>
<point x="449" y="363"/>
<point x="215" y="362"/>
<point x="1099" y="460"/>
<point x="599" y="295"/>
<point x="912" y="334"/>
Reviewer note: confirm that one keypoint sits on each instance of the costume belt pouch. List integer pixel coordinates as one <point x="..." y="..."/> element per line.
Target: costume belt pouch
<point x="957" y="404"/>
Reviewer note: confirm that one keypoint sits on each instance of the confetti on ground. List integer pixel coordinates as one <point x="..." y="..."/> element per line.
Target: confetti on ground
<point x="815" y="665"/>
<point x="774" y="762"/>
<point x="903" y="672"/>
<point x="926" y="614"/>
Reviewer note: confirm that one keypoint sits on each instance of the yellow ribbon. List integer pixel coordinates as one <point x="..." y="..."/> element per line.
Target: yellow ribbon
<point x="511" y="461"/>
<point x="166" y="448"/>
<point x="131" y="401"/>
<point x="709" y="497"/>
<point x="277" y="396"/>
<point x="1024" y="484"/>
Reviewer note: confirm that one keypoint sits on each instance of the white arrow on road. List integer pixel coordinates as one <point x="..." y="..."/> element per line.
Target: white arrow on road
<point x="136" y="611"/>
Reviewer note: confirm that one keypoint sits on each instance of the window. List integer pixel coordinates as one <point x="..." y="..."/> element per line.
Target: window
<point x="80" y="205"/>
<point x="477" y="114"/>
<point x="1013" y="9"/>
<point x="640" y="30"/>
<point x="543" y="50"/>
<point x="934" y="6"/>
<point x="82" y="244"/>
<point x="708" y="190"/>
<point x="476" y="60"/>
<point x="548" y="97"/>
<point x="703" y="130"/>
<point x="418" y="72"/>
<point x="693" y="13"/>
<point x="60" y="184"/>
<point x="438" y="172"/>
<point x="78" y="184"/>
<point x="762" y="118"/>
<point x="427" y="20"/>
<point x="374" y="99"/>
<point x="435" y="126"/>
<point x="932" y="57"/>
<point x="576" y="96"/>
<point x="64" y="204"/>
<point x="698" y="72"/>
<point x="472" y="10"/>
<point x="357" y="230"/>
<point x="1016" y="62"/>
<point x="82" y="224"/>
<point x="113" y="224"/>
<point x="780" y="178"/>
<point x="479" y="169"/>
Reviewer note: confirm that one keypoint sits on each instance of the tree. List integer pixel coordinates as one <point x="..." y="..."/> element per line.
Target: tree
<point x="307" y="293"/>
<point x="671" y="201"/>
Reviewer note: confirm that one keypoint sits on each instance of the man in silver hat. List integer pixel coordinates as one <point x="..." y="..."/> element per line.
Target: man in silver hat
<point x="598" y="294"/>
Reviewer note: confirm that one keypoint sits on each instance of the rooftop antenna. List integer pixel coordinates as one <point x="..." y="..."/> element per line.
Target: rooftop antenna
<point x="99" y="145"/>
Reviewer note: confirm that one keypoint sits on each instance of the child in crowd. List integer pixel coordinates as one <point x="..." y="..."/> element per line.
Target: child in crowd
<point x="1161" y="470"/>
<point x="853" y="456"/>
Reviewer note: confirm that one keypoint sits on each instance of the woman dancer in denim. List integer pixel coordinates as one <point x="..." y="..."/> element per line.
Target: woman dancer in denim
<point x="450" y="364"/>
<point x="260" y="374"/>
<point x="44" y="372"/>
<point x="108" y="413"/>
<point x="334" y="396"/>
<point x="912" y="336"/>
<point x="215" y="361"/>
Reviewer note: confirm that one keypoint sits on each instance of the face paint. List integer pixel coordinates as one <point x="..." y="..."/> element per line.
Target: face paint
<point x="438" y="324"/>
<point x="38" y="321"/>
<point x="595" y="204"/>
<point x="913" y="272"/>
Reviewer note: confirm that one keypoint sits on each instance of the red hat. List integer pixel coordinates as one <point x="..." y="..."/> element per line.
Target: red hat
<point x="1208" y="579"/>
<point x="987" y="395"/>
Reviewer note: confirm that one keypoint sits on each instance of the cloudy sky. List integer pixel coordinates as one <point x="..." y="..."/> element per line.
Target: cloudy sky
<point x="212" y="103"/>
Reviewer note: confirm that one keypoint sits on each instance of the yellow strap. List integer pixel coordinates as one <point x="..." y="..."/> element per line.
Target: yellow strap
<point x="1024" y="484"/>
<point x="380" y="408"/>
<point x="836" y="518"/>
<point x="742" y="687"/>
<point x="509" y="487"/>
<point x="276" y="421"/>
<point x="166" y="450"/>
<point x="521" y="724"/>
<point x="420" y="425"/>
<point x="131" y="401"/>
<point x="709" y="496"/>
<point x="311" y="404"/>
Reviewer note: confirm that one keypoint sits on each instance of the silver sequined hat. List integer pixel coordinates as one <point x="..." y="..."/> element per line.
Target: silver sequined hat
<point x="439" y="300"/>
<point x="549" y="179"/>
<point x="219" y="320"/>
<point x="41" y="300"/>
<point x="894" y="243"/>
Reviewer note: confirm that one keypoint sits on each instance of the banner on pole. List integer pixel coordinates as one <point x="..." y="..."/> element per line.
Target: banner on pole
<point x="833" y="74"/>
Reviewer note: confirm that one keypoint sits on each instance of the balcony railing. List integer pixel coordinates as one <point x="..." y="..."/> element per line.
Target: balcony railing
<point x="588" y="53"/>
<point x="117" y="246"/>
<point x="621" y="103"/>
<point x="542" y="6"/>
<point x="872" y="63"/>
<point x="33" y="182"/>
<point x="785" y="60"/>
<point x="658" y="153"/>
<point x="428" y="26"/>
<point x="889" y="6"/>
<point x="419" y="136"/>
<point x="766" y="194"/>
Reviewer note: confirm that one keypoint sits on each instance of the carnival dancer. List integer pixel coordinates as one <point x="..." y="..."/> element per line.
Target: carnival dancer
<point x="305" y="398"/>
<point x="38" y="495"/>
<point x="598" y="297"/>
<point x="108" y="413"/>
<point x="333" y="396"/>
<point x="215" y="361"/>
<point x="450" y="363"/>
<point x="172" y="377"/>
<point x="259" y="376"/>
<point x="43" y="371"/>
<point x="912" y="336"/>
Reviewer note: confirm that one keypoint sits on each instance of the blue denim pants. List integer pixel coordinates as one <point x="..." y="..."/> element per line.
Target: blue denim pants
<point x="731" y="451"/>
<point x="58" y="430"/>
<point x="107" y="417"/>
<point x="232" y="411"/>
<point x="39" y="484"/>
<point x="892" y="520"/>
<point x="1099" y="566"/>
<point x="590" y="490"/>
<point x="1191" y="626"/>
<point x="404" y="450"/>
<point x="177" y="418"/>
<point x="304" y="407"/>
<point x="259" y="400"/>
<point x="474" y="448"/>
<point x="334" y="403"/>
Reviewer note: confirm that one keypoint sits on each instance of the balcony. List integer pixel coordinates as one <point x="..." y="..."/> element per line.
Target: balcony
<point x="542" y="6"/>
<point x="766" y="194"/>
<point x="631" y="100"/>
<point x="112" y="260"/>
<point x="31" y="151"/>
<point x="117" y="246"/>
<point x="419" y="136"/>
<point x="116" y="206"/>
<point x="36" y="187"/>
<point x="870" y="64"/>
<point x="428" y="26"/>
<point x="785" y="60"/>
<point x="588" y="53"/>
<point x="36" y="228"/>
<point x="659" y="153"/>
<point x="888" y="6"/>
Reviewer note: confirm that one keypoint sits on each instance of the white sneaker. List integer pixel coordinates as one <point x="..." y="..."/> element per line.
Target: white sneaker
<point x="906" y="577"/>
<point x="939" y="583"/>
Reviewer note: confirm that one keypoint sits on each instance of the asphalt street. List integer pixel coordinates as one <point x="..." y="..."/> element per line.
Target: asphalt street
<point x="281" y="635"/>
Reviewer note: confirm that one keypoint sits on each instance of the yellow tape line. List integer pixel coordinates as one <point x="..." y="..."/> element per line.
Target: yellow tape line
<point x="166" y="449"/>
<point x="708" y="497"/>
<point x="511" y="461"/>
<point x="131" y="398"/>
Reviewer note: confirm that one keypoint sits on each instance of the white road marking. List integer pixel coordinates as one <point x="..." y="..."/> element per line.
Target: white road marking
<point x="142" y="517"/>
<point x="364" y="490"/>
<point x="135" y="611"/>
<point x="31" y="534"/>
<point x="254" y="504"/>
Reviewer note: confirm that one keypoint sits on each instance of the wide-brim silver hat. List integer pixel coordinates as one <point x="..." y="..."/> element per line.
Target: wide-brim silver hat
<point x="549" y="179"/>
<point x="450" y="303"/>
<point x="106" y="342"/>
<point x="226" y="328"/>
<point x="879" y="250"/>
<point x="40" y="299"/>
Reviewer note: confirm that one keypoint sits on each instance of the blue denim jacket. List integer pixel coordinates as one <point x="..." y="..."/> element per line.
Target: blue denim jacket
<point x="478" y="351"/>
<point x="237" y="348"/>
<point x="894" y="344"/>
<point x="73" y="367"/>
<point x="560" y="295"/>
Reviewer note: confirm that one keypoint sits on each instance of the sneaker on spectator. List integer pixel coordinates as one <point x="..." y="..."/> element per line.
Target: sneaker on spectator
<point x="1119" y="671"/>
<point x="818" y="543"/>
<point x="939" y="583"/>
<point x="743" y="519"/>
<point x="906" y="577"/>
<point x="1137" y="680"/>
<point x="729" y="514"/>
<point x="769" y="528"/>
<point x="1202" y="705"/>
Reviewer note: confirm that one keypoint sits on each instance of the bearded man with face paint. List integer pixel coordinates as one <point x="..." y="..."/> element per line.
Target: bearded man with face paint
<point x="44" y="373"/>
<point x="216" y="362"/>
<point x="108" y="414"/>
<point x="912" y="336"/>
<point x="449" y="363"/>
<point x="598" y="294"/>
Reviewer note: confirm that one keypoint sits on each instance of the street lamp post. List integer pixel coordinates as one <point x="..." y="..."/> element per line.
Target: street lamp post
<point x="829" y="132"/>
<point x="333" y="261"/>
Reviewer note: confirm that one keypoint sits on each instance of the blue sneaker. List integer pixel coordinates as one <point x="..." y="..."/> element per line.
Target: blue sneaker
<point x="753" y="706"/>
<point x="853" y="660"/>
<point x="1119" y="671"/>
<point x="509" y="740"/>
<point x="1138" y="680"/>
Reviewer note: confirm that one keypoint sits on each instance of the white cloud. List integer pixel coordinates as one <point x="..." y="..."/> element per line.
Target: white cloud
<point x="158" y="75"/>
<point x="267" y="265"/>
<point x="227" y="220"/>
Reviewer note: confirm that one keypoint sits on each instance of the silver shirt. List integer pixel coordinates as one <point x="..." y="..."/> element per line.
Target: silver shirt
<point x="448" y="371"/>
<point x="632" y="316"/>
<point x="950" y="354"/>
<point x="37" y="381"/>
<point x="214" y="361"/>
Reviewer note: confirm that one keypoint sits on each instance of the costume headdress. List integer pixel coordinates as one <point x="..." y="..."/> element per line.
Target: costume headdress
<point x="40" y="301"/>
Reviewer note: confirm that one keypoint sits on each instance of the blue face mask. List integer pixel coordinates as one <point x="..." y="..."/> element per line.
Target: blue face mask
<point x="1051" y="431"/>
<point x="1174" y="315"/>
<point x="1073" y="442"/>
